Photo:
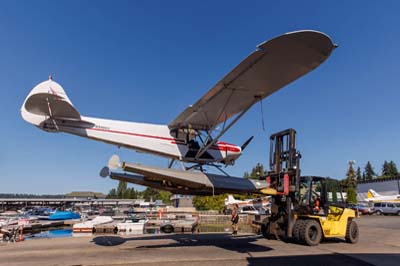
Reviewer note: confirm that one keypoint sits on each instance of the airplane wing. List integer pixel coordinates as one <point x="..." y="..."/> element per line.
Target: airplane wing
<point x="273" y="65"/>
<point x="187" y="182"/>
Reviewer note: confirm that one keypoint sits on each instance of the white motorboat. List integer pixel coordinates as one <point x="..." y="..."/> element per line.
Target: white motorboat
<point x="134" y="225"/>
<point x="88" y="226"/>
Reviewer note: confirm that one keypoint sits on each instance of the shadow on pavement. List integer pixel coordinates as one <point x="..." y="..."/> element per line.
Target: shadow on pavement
<point x="327" y="260"/>
<point x="241" y="244"/>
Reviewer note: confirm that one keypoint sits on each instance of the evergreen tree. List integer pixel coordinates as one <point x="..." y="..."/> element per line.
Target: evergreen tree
<point x="369" y="172"/>
<point x="385" y="169"/>
<point x="122" y="186"/>
<point x="256" y="172"/>
<point x="351" y="175"/>
<point x="130" y="193"/>
<point x="351" y="195"/>
<point x="393" y="169"/>
<point x="112" y="194"/>
<point x="358" y="174"/>
<point x="351" y="184"/>
<point x="150" y="194"/>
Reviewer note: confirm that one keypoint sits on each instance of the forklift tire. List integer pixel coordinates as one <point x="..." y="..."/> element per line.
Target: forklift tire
<point x="265" y="232"/>
<point x="352" y="232"/>
<point x="310" y="233"/>
<point x="296" y="230"/>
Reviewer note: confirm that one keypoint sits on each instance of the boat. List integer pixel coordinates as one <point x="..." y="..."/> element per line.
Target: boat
<point x="27" y="219"/>
<point x="4" y="222"/>
<point x="134" y="225"/>
<point x="61" y="215"/>
<point x="89" y="226"/>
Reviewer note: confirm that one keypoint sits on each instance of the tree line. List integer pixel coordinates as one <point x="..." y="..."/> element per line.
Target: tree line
<point x="389" y="170"/>
<point x="149" y="194"/>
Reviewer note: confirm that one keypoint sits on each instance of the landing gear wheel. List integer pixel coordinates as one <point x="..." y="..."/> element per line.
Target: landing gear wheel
<point x="310" y="233"/>
<point x="352" y="232"/>
<point x="296" y="230"/>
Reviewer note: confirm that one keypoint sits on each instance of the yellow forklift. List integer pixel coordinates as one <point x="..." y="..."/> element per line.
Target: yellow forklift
<point x="304" y="209"/>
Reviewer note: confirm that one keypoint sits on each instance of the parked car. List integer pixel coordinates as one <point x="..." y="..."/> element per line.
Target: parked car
<point x="361" y="208"/>
<point x="386" y="208"/>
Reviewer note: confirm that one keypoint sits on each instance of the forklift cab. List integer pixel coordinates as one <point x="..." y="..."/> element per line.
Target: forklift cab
<point x="317" y="194"/>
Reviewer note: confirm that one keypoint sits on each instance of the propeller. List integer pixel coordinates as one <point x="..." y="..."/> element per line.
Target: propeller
<point x="113" y="162"/>
<point x="247" y="142"/>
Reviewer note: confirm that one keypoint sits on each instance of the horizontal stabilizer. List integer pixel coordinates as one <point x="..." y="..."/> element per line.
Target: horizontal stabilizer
<point x="48" y="107"/>
<point x="48" y="104"/>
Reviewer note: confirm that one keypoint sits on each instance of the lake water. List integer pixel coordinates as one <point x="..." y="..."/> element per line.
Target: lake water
<point x="54" y="233"/>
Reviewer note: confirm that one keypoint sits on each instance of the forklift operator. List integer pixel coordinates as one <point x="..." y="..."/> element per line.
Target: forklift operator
<point x="317" y="203"/>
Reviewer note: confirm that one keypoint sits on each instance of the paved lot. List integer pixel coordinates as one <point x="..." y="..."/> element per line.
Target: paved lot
<point x="379" y="245"/>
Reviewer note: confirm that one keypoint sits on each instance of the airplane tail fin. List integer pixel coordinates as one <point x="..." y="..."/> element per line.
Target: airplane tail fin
<point x="372" y="194"/>
<point x="229" y="200"/>
<point x="47" y="106"/>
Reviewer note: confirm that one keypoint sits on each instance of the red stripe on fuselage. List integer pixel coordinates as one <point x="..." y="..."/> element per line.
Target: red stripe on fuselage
<point x="133" y="134"/>
<point x="221" y="146"/>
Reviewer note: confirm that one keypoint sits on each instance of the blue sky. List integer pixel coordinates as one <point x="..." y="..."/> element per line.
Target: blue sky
<point x="147" y="60"/>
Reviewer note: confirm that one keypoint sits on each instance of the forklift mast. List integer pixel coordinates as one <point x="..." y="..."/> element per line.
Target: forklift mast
<point x="284" y="163"/>
<point x="283" y="179"/>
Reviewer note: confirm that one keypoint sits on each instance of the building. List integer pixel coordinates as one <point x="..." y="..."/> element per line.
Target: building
<point x="181" y="200"/>
<point x="85" y="195"/>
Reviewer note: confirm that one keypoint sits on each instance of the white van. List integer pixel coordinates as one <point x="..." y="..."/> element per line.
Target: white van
<point x="386" y="208"/>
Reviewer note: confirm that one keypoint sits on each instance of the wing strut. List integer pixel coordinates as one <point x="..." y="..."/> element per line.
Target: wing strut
<point x="203" y="150"/>
<point x="51" y="114"/>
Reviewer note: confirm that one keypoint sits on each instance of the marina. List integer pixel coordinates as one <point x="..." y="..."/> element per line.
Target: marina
<point x="123" y="222"/>
<point x="219" y="249"/>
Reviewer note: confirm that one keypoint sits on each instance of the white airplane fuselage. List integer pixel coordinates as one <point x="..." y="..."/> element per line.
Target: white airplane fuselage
<point x="48" y="107"/>
<point x="373" y="196"/>
<point x="149" y="138"/>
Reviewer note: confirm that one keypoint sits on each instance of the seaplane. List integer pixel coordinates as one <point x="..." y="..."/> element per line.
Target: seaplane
<point x="193" y="137"/>
<point x="260" y="205"/>
<point x="374" y="196"/>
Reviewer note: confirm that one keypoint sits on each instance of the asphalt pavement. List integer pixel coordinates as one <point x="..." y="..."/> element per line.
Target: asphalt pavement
<point x="379" y="244"/>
